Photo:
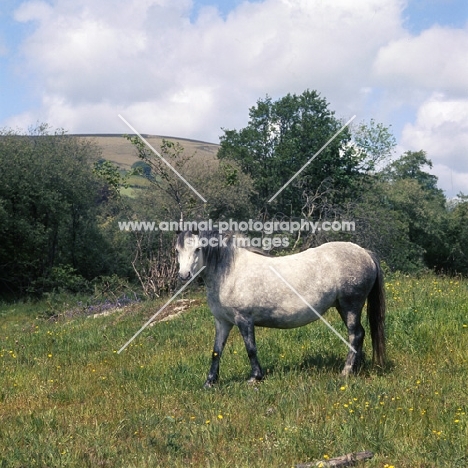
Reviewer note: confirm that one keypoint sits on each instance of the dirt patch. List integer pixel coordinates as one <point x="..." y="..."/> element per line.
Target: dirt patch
<point x="172" y="311"/>
<point x="176" y="309"/>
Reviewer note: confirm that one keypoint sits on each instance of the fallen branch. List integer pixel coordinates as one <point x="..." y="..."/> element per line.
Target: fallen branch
<point x="345" y="460"/>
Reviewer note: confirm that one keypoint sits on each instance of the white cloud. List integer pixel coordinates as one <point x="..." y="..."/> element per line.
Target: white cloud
<point x="429" y="73"/>
<point x="434" y="60"/>
<point x="34" y="11"/>
<point x="191" y="79"/>
<point x="169" y="75"/>
<point x="441" y="128"/>
<point x="450" y="181"/>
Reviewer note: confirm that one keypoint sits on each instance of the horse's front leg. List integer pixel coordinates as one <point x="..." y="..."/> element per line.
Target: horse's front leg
<point x="247" y="331"/>
<point x="222" y="332"/>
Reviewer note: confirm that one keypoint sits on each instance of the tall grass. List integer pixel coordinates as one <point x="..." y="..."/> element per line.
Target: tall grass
<point x="67" y="399"/>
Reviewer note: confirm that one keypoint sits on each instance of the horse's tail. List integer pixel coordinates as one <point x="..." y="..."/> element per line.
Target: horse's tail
<point x="376" y="315"/>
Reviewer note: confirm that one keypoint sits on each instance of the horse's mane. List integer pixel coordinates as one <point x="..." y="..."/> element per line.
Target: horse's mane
<point x="221" y="255"/>
<point x="218" y="256"/>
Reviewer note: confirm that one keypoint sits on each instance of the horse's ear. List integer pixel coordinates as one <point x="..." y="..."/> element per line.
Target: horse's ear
<point x="179" y="230"/>
<point x="181" y="224"/>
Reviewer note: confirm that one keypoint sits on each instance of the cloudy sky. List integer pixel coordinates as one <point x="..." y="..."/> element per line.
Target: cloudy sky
<point x="188" y="68"/>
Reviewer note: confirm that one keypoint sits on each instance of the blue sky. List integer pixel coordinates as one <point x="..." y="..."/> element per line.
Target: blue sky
<point x="189" y="68"/>
<point x="12" y="33"/>
<point x="422" y="14"/>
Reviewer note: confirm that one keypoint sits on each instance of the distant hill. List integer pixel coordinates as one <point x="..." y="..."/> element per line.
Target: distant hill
<point x="117" y="149"/>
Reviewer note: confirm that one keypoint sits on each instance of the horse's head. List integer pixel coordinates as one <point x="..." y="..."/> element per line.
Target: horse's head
<point x="189" y="255"/>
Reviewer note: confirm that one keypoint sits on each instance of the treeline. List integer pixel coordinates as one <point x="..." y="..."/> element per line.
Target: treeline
<point x="53" y="207"/>
<point x="397" y="207"/>
<point x="60" y="202"/>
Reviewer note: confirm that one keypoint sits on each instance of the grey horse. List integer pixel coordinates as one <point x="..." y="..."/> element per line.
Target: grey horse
<point x="244" y="288"/>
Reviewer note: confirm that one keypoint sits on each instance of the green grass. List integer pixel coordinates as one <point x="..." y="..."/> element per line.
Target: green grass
<point x="68" y="399"/>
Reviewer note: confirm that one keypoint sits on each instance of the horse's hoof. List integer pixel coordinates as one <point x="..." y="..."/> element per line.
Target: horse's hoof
<point x="209" y="384"/>
<point x="254" y="380"/>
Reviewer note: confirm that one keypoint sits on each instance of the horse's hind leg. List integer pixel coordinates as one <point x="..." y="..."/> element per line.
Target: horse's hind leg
<point x="222" y="332"/>
<point x="247" y="331"/>
<point x="351" y="315"/>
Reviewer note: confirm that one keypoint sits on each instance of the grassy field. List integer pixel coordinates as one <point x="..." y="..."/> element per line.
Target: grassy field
<point x="67" y="399"/>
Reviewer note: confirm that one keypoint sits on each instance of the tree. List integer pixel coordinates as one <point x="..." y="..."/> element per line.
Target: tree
<point x="112" y="180"/>
<point x="374" y="144"/>
<point x="280" y="138"/>
<point x="142" y="168"/>
<point x="455" y="257"/>
<point x="413" y="192"/>
<point x="48" y="196"/>
<point x="410" y="166"/>
<point x="223" y="184"/>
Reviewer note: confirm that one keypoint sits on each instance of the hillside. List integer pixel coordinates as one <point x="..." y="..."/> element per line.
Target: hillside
<point x="117" y="149"/>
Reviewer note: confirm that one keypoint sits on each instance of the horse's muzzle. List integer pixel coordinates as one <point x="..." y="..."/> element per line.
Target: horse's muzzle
<point x="185" y="276"/>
